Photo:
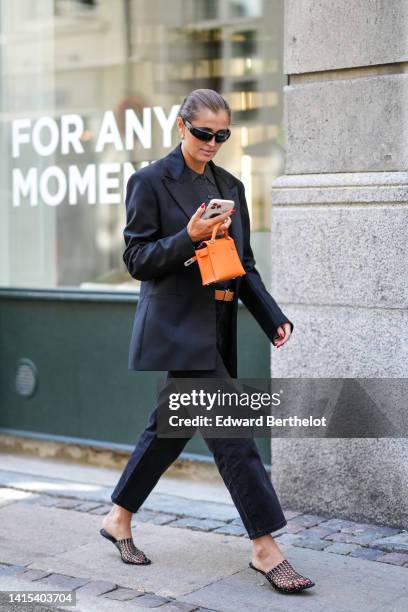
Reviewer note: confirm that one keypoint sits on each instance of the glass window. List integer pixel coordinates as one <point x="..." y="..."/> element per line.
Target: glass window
<point x="90" y="91"/>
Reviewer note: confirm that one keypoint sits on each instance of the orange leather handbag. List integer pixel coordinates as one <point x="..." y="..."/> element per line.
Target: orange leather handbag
<point x="217" y="259"/>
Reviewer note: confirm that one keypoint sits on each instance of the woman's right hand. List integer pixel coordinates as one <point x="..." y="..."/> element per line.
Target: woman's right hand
<point x="201" y="229"/>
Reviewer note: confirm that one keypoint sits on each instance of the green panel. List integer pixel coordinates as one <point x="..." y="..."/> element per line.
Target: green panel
<point x="79" y="345"/>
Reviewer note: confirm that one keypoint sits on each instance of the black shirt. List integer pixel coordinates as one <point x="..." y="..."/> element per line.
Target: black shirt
<point x="206" y="189"/>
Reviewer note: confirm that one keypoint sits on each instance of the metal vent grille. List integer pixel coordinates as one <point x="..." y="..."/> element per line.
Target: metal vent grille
<point x="26" y="377"/>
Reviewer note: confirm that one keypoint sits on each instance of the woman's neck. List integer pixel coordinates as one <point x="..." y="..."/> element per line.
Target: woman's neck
<point x="192" y="163"/>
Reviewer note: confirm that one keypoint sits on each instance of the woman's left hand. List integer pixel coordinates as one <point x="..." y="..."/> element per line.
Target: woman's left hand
<point x="284" y="332"/>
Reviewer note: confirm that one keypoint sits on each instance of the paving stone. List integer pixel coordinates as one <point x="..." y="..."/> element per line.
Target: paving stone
<point x="291" y="514"/>
<point x="362" y="528"/>
<point x="293" y="527"/>
<point x="387" y="531"/>
<point x="178" y="606"/>
<point x="123" y="594"/>
<point x="101" y="510"/>
<point x="394" y="558"/>
<point x="45" y="500"/>
<point x="314" y="543"/>
<point x="156" y="518"/>
<point x="68" y="503"/>
<point x="11" y="570"/>
<point x="395" y="543"/>
<point x="163" y="519"/>
<point x="356" y="528"/>
<point x="365" y="538"/>
<point x="34" y="533"/>
<point x="63" y="581"/>
<point x="287" y="538"/>
<point x="150" y="600"/>
<point x="338" y="524"/>
<point x="237" y="521"/>
<point x="97" y="587"/>
<point x="319" y="531"/>
<point x="35" y="574"/>
<point x="310" y="520"/>
<point x="180" y="506"/>
<point x="279" y="532"/>
<point x="341" y="548"/>
<point x="371" y="554"/>
<point x="87" y="506"/>
<point x="230" y="529"/>
<point x="51" y="502"/>
<point x="301" y="522"/>
<point x="31" y="499"/>
<point x="199" y="524"/>
<point x="340" y="536"/>
<point x="144" y="516"/>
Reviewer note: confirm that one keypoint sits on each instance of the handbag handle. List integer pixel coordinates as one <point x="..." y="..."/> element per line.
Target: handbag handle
<point x="215" y="230"/>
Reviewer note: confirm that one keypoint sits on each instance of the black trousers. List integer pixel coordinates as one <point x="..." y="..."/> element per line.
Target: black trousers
<point x="237" y="459"/>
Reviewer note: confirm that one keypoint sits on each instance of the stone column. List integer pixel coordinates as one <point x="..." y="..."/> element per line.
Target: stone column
<point x="339" y="242"/>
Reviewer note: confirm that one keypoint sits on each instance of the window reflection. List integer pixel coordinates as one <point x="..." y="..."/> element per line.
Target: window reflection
<point x="62" y="58"/>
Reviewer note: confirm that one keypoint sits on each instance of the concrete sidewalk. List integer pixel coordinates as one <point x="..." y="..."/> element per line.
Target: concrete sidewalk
<point x="49" y="539"/>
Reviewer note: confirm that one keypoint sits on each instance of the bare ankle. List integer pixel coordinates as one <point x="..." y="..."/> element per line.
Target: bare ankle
<point x="120" y="515"/>
<point x="262" y="553"/>
<point x="266" y="547"/>
<point x="263" y="544"/>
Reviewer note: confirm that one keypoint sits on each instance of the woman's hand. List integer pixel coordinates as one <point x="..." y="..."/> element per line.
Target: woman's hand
<point x="284" y="332"/>
<point x="201" y="229"/>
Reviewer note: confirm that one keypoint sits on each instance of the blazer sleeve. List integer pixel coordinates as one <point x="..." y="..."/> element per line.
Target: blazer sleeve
<point x="252" y="291"/>
<point x="148" y="255"/>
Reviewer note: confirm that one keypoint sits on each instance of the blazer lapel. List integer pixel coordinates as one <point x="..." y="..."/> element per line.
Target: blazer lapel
<point x="184" y="195"/>
<point x="229" y="191"/>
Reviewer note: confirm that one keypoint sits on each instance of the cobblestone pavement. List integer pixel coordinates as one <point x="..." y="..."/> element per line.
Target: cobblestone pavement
<point x="102" y="589"/>
<point x="107" y="586"/>
<point x="338" y="536"/>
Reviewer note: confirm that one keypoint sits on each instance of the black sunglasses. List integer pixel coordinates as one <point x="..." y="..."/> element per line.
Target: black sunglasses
<point x="220" y="136"/>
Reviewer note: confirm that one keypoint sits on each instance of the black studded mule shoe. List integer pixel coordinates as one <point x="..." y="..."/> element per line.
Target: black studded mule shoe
<point x="284" y="578"/>
<point x="128" y="551"/>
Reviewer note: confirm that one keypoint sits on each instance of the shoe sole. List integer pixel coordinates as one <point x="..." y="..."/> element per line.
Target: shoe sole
<point x="298" y="589"/>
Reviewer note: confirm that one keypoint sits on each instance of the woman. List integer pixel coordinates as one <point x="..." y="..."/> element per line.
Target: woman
<point x="190" y="330"/>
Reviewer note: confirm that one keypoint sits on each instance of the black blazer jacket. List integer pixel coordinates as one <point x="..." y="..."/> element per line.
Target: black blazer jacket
<point x="174" y="326"/>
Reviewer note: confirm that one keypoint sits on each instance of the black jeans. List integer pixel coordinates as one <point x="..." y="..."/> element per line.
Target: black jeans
<point x="237" y="459"/>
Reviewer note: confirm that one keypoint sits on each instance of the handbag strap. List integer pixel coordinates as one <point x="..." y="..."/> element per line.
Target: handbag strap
<point x="212" y="240"/>
<point x="215" y="230"/>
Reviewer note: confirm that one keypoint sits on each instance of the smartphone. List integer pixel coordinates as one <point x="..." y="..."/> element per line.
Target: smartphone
<point x="216" y="207"/>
